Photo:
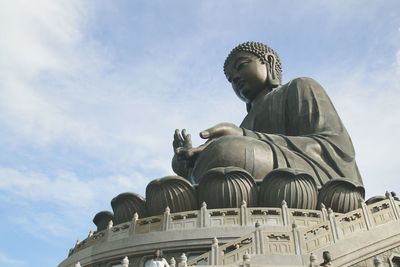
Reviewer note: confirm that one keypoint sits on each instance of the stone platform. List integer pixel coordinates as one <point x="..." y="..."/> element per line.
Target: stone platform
<point x="247" y="236"/>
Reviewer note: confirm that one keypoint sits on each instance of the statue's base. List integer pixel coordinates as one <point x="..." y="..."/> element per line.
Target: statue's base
<point x="250" y="236"/>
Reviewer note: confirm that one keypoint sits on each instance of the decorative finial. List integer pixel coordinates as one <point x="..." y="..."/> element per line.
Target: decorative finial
<point x="183" y="258"/>
<point x="172" y="261"/>
<point x="284" y="203"/>
<point x="78" y="264"/>
<point x="258" y="224"/>
<point x="167" y="209"/>
<point x="244" y="203"/>
<point x="330" y="211"/>
<point x="110" y="224"/>
<point x="215" y="241"/>
<point x="90" y="233"/>
<point x="387" y="194"/>
<point x="323" y="206"/>
<point x="125" y="262"/>
<point x="135" y="216"/>
<point x="204" y="205"/>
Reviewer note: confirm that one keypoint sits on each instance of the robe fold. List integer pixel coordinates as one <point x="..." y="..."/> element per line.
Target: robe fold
<point x="300" y="124"/>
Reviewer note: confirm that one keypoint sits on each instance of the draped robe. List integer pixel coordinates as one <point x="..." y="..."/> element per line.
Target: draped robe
<point x="302" y="128"/>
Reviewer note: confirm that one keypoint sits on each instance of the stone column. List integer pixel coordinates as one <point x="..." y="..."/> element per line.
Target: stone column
<point x="258" y="240"/>
<point x="214" y="254"/>
<point x="243" y="214"/>
<point x="324" y="212"/>
<point x="333" y="224"/>
<point x="166" y="219"/>
<point x="132" y="227"/>
<point x="204" y="222"/>
<point x="296" y="239"/>
<point x="285" y="213"/>
<point x="366" y="214"/>
<point x="394" y="205"/>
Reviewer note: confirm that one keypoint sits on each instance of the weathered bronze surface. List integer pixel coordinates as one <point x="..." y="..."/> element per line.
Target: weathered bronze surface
<point x="125" y="205"/>
<point x="292" y="126"/>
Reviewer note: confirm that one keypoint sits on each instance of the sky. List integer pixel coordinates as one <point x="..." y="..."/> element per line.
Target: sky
<point x="91" y="92"/>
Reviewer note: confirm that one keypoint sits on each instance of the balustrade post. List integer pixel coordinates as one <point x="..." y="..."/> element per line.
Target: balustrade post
<point x="395" y="207"/>
<point x="204" y="215"/>
<point x="366" y="213"/>
<point x="172" y="262"/>
<point x="243" y="214"/>
<point x="258" y="240"/>
<point x="132" y="228"/>
<point x="296" y="239"/>
<point x="78" y="264"/>
<point x="182" y="261"/>
<point x="125" y="262"/>
<point x="324" y="212"/>
<point x="166" y="219"/>
<point x="109" y="229"/>
<point x="285" y="213"/>
<point x="214" y="257"/>
<point x="333" y="224"/>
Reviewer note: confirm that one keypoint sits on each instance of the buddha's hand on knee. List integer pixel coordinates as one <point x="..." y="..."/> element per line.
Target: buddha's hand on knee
<point x="221" y="129"/>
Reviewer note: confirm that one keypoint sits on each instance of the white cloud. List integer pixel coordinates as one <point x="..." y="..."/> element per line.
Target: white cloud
<point x="368" y="102"/>
<point x="65" y="189"/>
<point x="7" y="261"/>
<point x="62" y="205"/>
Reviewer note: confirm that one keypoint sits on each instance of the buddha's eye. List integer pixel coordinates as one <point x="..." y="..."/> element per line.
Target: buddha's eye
<point x="242" y="64"/>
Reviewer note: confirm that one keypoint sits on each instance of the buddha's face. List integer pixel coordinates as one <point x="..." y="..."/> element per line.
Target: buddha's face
<point x="248" y="75"/>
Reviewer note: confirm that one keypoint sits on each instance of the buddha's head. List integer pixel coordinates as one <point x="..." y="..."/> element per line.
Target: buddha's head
<point x="252" y="67"/>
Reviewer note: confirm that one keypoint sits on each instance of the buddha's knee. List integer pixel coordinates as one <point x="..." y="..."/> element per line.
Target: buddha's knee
<point x="227" y="187"/>
<point x="247" y="153"/>
<point x="125" y="205"/>
<point x="297" y="188"/>
<point x="340" y="195"/>
<point x="172" y="191"/>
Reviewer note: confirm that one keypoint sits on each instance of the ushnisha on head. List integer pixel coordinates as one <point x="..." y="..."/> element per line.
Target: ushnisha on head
<point x="261" y="51"/>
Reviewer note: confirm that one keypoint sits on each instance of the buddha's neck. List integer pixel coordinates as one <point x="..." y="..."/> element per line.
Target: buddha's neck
<point x="260" y="96"/>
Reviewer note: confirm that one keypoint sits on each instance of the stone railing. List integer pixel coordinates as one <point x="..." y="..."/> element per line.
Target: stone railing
<point x="299" y="240"/>
<point x="203" y="218"/>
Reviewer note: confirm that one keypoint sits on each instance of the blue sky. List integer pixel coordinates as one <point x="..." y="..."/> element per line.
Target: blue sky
<point x="91" y="91"/>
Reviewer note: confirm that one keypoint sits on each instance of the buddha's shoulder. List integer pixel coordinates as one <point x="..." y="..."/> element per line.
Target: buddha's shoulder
<point x="302" y="84"/>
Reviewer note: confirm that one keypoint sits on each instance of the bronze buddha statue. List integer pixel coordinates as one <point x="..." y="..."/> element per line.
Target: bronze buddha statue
<point x="291" y="146"/>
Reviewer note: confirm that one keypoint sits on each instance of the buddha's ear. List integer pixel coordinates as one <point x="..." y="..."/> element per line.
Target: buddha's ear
<point x="273" y="79"/>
